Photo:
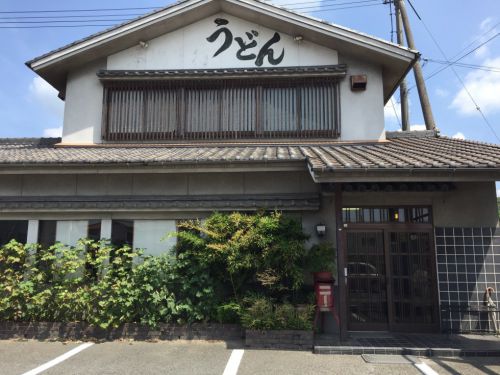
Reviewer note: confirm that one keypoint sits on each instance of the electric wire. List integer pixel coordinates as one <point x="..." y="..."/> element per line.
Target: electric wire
<point x="478" y="108"/>
<point x="57" y="20"/>
<point x="464" y="65"/>
<point x="71" y="16"/>
<point x="453" y="62"/>
<point x="396" y="113"/>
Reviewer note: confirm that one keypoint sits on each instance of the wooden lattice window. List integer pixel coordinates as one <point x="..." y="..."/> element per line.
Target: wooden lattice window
<point x="221" y="109"/>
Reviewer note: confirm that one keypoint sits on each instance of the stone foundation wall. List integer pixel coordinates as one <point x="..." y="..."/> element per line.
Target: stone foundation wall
<point x="79" y="331"/>
<point x="286" y="339"/>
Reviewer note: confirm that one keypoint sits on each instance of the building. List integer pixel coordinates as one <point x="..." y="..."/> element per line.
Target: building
<point x="238" y="105"/>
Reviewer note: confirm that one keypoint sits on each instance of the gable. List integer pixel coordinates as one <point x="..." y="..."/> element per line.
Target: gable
<point x="394" y="60"/>
<point x="222" y="41"/>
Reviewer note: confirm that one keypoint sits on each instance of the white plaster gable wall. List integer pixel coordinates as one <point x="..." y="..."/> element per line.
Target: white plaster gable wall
<point x="83" y="105"/>
<point x="362" y="116"/>
<point x="362" y="112"/>
<point x="188" y="48"/>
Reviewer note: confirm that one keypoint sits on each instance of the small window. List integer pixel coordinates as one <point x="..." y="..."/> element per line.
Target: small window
<point x="122" y="232"/>
<point x="417" y="215"/>
<point x="151" y="236"/>
<point x="93" y="233"/>
<point x="94" y="230"/>
<point x="13" y="230"/>
<point x="47" y="233"/>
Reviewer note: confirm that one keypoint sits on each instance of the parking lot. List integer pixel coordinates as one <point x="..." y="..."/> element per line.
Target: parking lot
<point x="198" y="357"/>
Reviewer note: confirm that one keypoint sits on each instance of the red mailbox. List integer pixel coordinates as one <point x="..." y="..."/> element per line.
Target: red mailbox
<point x="325" y="301"/>
<point x="324" y="296"/>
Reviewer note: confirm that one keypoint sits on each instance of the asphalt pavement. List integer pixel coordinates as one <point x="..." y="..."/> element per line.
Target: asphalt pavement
<point x="202" y="357"/>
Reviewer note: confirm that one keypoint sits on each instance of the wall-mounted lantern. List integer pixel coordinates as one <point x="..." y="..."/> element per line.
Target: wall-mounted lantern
<point x="320" y="229"/>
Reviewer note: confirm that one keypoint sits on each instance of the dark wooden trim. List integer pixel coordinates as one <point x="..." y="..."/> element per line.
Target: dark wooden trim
<point x="341" y="263"/>
<point x="393" y="227"/>
<point x="388" y="279"/>
<point x="105" y="114"/>
<point x="387" y="229"/>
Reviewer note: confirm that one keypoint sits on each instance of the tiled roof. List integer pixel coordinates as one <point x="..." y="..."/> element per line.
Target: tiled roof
<point x="426" y="152"/>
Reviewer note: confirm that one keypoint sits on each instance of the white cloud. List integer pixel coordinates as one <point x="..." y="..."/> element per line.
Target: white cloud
<point x="485" y="28"/>
<point x="459" y="135"/>
<point x="53" y="132"/>
<point x="498" y="192"/>
<point x="486" y="23"/>
<point x="46" y="96"/>
<point x="484" y="87"/>
<point x="442" y="92"/>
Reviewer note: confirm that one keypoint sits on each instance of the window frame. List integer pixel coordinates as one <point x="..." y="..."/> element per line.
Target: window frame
<point x="182" y="87"/>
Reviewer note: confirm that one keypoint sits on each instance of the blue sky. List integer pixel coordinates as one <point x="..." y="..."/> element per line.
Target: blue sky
<point x="29" y="108"/>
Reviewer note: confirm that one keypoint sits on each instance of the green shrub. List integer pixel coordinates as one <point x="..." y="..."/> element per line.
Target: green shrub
<point x="259" y="252"/>
<point x="259" y="315"/>
<point x="263" y="314"/>
<point x="228" y="312"/>
<point x="321" y="257"/>
<point x="226" y="255"/>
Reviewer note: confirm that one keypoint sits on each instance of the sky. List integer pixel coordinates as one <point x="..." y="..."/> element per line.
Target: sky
<point x="29" y="107"/>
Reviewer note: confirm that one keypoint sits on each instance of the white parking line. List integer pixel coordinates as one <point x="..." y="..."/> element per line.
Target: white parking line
<point x="425" y="369"/>
<point x="234" y="362"/>
<point x="59" y="359"/>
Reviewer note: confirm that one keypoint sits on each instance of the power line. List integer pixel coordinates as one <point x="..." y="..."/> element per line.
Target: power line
<point x="464" y="65"/>
<point x="71" y="16"/>
<point x="51" y="26"/>
<point x="395" y="112"/>
<point x="456" y="74"/>
<point x="65" y="21"/>
<point x="56" y="23"/>
<point x="158" y="8"/>
<point x="76" y="10"/>
<point x="337" y="5"/>
<point x="315" y="1"/>
<point x="453" y="62"/>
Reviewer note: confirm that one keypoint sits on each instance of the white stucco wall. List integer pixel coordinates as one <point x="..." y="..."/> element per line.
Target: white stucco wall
<point x="362" y="112"/>
<point x="362" y="116"/>
<point x="83" y="105"/>
<point x="152" y="236"/>
<point x="188" y="48"/>
<point x="69" y="232"/>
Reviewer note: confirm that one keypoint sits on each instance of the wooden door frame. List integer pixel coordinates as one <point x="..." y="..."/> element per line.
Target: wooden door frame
<point x="387" y="228"/>
<point x="365" y="326"/>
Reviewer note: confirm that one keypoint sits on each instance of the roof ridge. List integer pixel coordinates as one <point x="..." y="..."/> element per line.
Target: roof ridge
<point x="174" y="4"/>
<point x="32" y="140"/>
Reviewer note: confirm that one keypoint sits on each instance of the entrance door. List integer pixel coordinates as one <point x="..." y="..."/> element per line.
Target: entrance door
<point x="412" y="281"/>
<point x="391" y="280"/>
<point x="366" y="281"/>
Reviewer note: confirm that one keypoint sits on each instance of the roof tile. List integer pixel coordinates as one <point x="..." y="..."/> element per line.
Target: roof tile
<point x="418" y="152"/>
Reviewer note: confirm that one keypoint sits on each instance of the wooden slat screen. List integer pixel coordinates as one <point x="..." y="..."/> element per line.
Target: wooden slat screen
<point x="232" y="109"/>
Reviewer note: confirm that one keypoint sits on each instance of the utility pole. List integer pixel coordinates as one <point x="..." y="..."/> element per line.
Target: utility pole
<point x="403" y="90"/>
<point x="417" y="70"/>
